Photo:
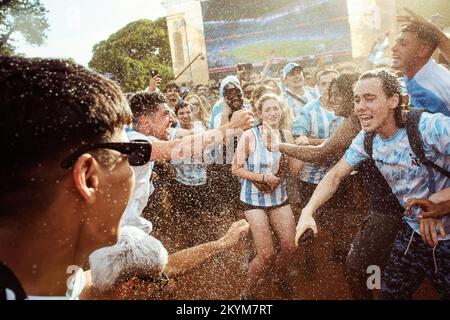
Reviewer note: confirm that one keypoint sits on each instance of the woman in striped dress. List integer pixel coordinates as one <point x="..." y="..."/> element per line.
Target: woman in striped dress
<point x="267" y="208"/>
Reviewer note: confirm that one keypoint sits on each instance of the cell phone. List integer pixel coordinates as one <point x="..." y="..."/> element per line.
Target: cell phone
<point x="245" y="67"/>
<point x="154" y="73"/>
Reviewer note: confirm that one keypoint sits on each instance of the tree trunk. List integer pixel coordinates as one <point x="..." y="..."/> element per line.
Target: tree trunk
<point x="4" y="39"/>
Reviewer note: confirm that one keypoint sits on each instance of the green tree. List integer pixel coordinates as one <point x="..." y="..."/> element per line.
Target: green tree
<point x="130" y="54"/>
<point x="27" y="17"/>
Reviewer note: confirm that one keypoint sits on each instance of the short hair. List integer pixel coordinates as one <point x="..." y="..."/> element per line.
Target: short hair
<point x="47" y="107"/>
<point x="200" y="85"/>
<point x="145" y="102"/>
<point x="50" y="105"/>
<point x="181" y="105"/>
<point x="171" y="85"/>
<point x="424" y="33"/>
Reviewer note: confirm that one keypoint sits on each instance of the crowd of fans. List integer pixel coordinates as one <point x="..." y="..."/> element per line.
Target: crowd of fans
<point x="137" y="190"/>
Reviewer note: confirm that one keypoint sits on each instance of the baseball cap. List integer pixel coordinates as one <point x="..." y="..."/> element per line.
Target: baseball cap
<point x="289" y="67"/>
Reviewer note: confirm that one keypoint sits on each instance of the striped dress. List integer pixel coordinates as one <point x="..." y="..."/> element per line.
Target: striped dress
<point x="262" y="161"/>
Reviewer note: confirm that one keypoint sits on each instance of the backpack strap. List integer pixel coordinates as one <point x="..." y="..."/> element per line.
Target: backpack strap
<point x="368" y="143"/>
<point x="416" y="142"/>
<point x="414" y="137"/>
<point x="296" y="97"/>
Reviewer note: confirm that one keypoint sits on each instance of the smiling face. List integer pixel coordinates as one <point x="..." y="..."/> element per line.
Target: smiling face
<point x="295" y="79"/>
<point x="270" y="112"/>
<point x="160" y="122"/>
<point x="336" y="101"/>
<point x="409" y="53"/>
<point x="202" y="91"/>
<point x="195" y="103"/>
<point x="173" y="94"/>
<point x="233" y="98"/>
<point x="373" y="107"/>
<point x="186" y="117"/>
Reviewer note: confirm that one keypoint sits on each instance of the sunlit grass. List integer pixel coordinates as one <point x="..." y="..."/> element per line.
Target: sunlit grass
<point x="284" y="48"/>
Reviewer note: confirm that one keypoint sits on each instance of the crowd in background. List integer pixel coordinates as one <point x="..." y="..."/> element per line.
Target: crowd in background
<point x="328" y="147"/>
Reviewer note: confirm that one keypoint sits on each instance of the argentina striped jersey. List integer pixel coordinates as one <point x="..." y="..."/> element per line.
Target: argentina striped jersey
<point x="314" y="121"/>
<point x="262" y="161"/>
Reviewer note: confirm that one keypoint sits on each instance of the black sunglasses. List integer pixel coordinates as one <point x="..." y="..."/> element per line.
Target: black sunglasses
<point x="138" y="151"/>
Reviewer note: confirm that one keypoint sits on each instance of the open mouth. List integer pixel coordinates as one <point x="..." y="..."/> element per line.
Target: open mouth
<point x="365" y="120"/>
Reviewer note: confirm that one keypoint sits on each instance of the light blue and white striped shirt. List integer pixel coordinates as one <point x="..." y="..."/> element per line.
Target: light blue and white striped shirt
<point x="297" y="103"/>
<point x="191" y="171"/>
<point x="429" y="89"/>
<point x="262" y="161"/>
<point x="314" y="121"/>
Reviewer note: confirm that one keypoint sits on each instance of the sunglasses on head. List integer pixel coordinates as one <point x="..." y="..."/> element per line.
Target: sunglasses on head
<point x="138" y="152"/>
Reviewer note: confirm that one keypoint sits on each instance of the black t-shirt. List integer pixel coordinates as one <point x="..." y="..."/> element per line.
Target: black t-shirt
<point x="10" y="287"/>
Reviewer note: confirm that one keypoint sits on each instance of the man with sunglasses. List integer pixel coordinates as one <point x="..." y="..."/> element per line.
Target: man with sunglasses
<point x="68" y="179"/>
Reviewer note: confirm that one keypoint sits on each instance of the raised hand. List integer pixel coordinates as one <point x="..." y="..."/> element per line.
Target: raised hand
<point x="154" y="83"/>
<point x="236" y="233"/>
<point x="242" y="119"/>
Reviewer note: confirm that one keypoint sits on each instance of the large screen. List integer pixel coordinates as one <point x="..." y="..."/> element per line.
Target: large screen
<point x="251" y="31"/>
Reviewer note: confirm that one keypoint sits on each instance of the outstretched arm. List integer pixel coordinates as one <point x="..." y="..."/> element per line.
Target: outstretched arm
<point x="179" y="264"/>
<point x="332" y="149"/>
<point x="324" y="191"/>
<point x="186" y="260"/>
<point x="195" y="144"/>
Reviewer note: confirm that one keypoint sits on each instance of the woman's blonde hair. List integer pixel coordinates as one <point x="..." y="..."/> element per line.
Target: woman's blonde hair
<point x="286" y="112"/>
<point x="202" y="115"/>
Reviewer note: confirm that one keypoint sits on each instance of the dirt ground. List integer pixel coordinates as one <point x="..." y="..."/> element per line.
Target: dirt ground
<point x="221" y="278"/>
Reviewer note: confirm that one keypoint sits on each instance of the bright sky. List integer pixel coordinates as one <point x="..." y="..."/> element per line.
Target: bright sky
<point x="76" y="25"/>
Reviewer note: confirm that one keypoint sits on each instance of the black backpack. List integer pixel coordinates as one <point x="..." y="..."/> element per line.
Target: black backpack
<point x="415" y="141"/>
